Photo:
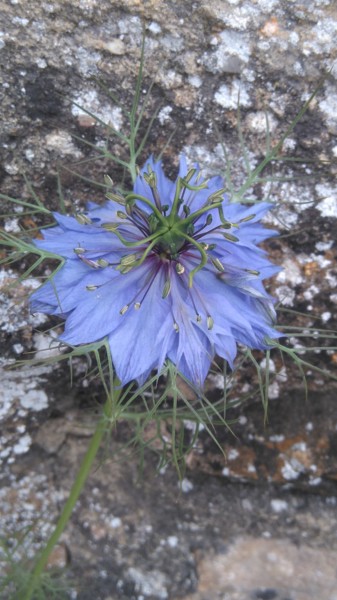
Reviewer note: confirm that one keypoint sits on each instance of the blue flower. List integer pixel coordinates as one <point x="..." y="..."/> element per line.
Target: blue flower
<point x="171" y="271"/>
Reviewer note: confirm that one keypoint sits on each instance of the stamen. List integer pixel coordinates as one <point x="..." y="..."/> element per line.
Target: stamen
<point x="124" y="309"/>
<point x="176" y="327"/>
<point x="245" y="219"/>
<point x="121" y="215"/>
<point x="180" y="268"/>
<point x="217" y="263"/>
<point x="216" y="196"/>
<point x="210" y="322"/>
<point x="83" y="219"/>
<point x="166" y="289"/>
<point x="103" y="263"/>
<point x="108" y="181"/>
<point x="110" y="226"/>
<point x="79" y="250"/>
<point x="230" y="237"/>
<point x="123" y="270"/>
<point x="116" y="198"/>
<point x="252" y="271"/>
<point x="91" y="288"/>
<point x="129" y="259"/>
<point x="198" y="318"/>
<point x="137" y="305"/>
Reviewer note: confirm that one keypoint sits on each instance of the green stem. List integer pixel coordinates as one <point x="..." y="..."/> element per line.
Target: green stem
<point x="75" y="492"/>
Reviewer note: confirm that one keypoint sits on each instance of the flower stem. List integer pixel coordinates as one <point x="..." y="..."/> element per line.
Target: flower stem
<point x="75" y="492"/>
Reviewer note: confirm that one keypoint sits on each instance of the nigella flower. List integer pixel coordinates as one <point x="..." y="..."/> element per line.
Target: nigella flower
<point x="171" y="272"/>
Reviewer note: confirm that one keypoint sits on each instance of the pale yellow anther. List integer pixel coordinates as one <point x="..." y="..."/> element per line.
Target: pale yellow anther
<point x="129" y="259"/>
<point x="218" y="264"/>
<point x="210" y="322"/>
<point x="124" y="309"/>
<point x="83" y="219"/>
<point x="176" y="327"/>
<point x="166" y="289"/>
<point x="137" y="305"/>
<point x="180" y="268"/>
<point x="91" y="288"/>
<point x="102" y="262"/>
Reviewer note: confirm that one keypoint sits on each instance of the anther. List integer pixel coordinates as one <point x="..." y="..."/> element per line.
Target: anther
<point x="91" y="288"/>
<point x="110" y="226"/>
<point x="166" y="289"/>
<point x="116" y="198"/>
<point x="83" y="219"/>
<point x="252" y="272"/>
<point x="198" y="317"/>
<point x="216" y="196"/>
<point x="230" y="237"/>
<point x="210" y="322"/>
<point x="121" y="215"/>
<point x="124" y="309"/>
<point x="108" y="181"/>
<point x="123" y="270"/>
<point x="176" y="327"/>
<point x="180" y="268"/>
<point x="137" y="305"/>
<point x="245" y="219"/>
<point x="79" y="250"/>
<point x="129" y="259"/>
<point x="218" y="264"/>
<point x="102" y="262"/>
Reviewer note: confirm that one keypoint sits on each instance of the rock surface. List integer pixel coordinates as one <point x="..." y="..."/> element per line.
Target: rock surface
<point x="258" y="522"/>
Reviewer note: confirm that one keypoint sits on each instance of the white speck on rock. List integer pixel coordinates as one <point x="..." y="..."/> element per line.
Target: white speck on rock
<point x="46" y="345"/>
<point x="286" y="295"/>
<point x="115" y="522"/>
<point x="258" y="121"/>
<point x="60" y="141"/>
<point x="326" y="316"/>
<point x="172" y="541"/>
<point x="291" y="273"/>
<point x="154" y="27"/>
<point x="12" y="226"/>
<point x="152" y="583"/>
<point x="273" y="390"/>
<point x="164" y="114"/>
<point x="328" y="206"/>
<point x="186" y="485"/>
<point x="323" y="246"/>
<point x="34" y="400"/>
<point x="87" y="100"/>
<point x="232" y="51"/>
<point x="288" y="471"/>
<point x="278" y="506"/>
<point x="232" y="95"/>
<point x="195" y="80"/>
<point x="232" y="454"/>
<point x="23" y="444"/>
<point x="328" y="107"/>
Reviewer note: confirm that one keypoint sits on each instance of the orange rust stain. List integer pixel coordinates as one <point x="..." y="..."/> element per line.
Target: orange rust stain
<point x="311" y="268"/>
<point x="271" y="27"/>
